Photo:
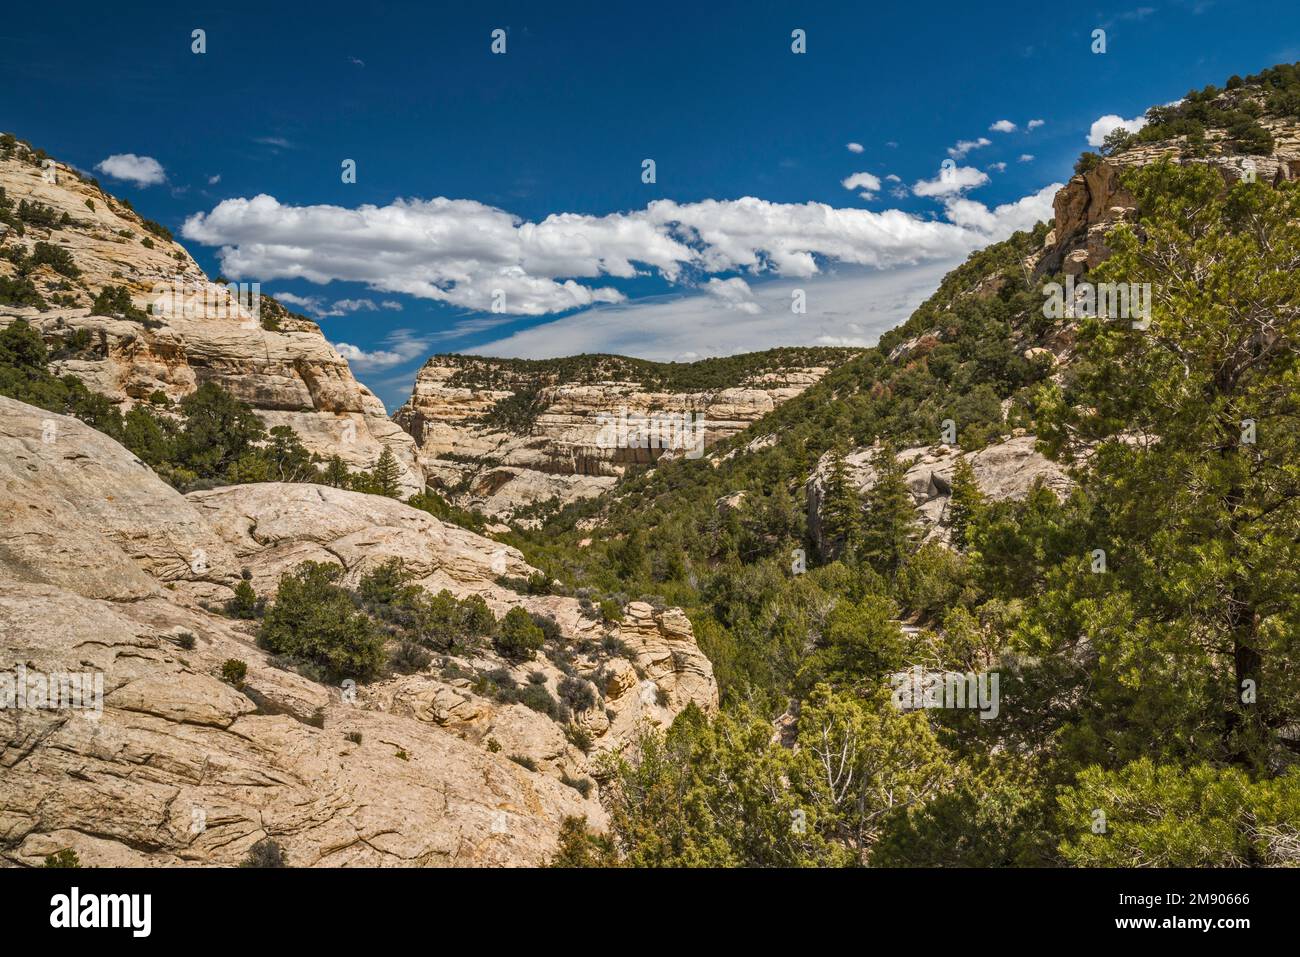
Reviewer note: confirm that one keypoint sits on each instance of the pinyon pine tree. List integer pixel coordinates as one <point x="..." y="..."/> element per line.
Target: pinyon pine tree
<point x="387" y="475"/>
<point x="889" y="528"/>
<point x="841" y="509"/>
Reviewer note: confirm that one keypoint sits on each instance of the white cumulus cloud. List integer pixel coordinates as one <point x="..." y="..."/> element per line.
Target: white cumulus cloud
<point x="1006" y="219"/>
<point x="865" y="181"/>
<point x="141" y="170"/>
<point x="1102" y="127"/>
<point x="475" y="256"/>
<point x="948" y="182"/>
<point x="854" y="147"/>
<point x="1034" y="124"/>
<point x="850" y="306"/>
<point x="1003" y="126"/>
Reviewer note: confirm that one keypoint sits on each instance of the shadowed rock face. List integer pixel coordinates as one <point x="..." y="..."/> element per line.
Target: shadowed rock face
<point x="106" y="570"/>
<point x="561" y="453"/>
<point x="278" y="362"/>
<point x="1093" y="203"/>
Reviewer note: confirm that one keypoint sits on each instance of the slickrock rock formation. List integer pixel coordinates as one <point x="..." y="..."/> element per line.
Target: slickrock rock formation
<point x="278" y="362"/>
<point x="1004" y="471"/>
<point x="79" y="512"/>
<point x="561" y="447"/>
<point x="106" y="570"/>
<point x="271" y="528"/>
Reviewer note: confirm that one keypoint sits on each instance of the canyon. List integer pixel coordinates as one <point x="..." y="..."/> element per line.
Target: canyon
<point x="558" y="449"/>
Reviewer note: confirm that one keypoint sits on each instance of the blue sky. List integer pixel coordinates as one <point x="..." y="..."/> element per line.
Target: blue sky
<point x="499" y="202"/>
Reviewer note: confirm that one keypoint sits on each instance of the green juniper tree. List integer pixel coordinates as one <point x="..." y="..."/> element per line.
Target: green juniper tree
<point x="1167" y="816"/>
<point x="1194" y="430"/>
<point x="218" y="430"/>
<point x="965" y="503"/>
<point x="314" y="619"/>
<point x="336" y="473"/>
<point x="518" y="636"/>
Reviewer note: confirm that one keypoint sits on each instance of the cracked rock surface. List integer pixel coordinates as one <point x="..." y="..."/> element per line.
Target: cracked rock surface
<point x="106" y="570"/>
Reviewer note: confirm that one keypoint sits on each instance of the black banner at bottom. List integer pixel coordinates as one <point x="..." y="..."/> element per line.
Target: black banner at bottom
<point x="339" y="907"/>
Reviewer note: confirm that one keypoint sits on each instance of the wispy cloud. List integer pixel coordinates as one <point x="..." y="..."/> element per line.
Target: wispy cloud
<point x="965" y="146"/>
<point x="318" y="306"/>
<point x="849" y="308"/>
<point x="275" y="142"/>
<point x="399" y="346"/>
<point x="733" y="293"/>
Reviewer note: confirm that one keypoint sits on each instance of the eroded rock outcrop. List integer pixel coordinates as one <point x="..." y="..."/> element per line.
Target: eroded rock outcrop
<point x="272" y="528"/>
<point x="1095" y="201"/>
<point x="277" y="361"/>
<point x="100" y="574"/>
<point x="563" y="450"/>
<point x="1005" y="470"/>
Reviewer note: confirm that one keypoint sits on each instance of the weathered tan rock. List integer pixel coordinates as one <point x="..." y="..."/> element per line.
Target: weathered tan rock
<point x="271" y="528"/>
<point x="281" y="364"/>
<point x="80" y="512"/>
<point x="181" y="768"/>
<point x="178" y="767"/>
<point x="663" y="645"/>
<point x="563" y="456"/>
<point x="1093" y="203"/>
<point x="1004" y="471"/>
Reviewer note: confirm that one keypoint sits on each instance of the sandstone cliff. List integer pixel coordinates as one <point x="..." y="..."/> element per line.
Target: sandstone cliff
<point x="277" y="361"/>
<point x="1094" y="202"/>
<point x="564" y="444"/>
<point x="106" y="570"/>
